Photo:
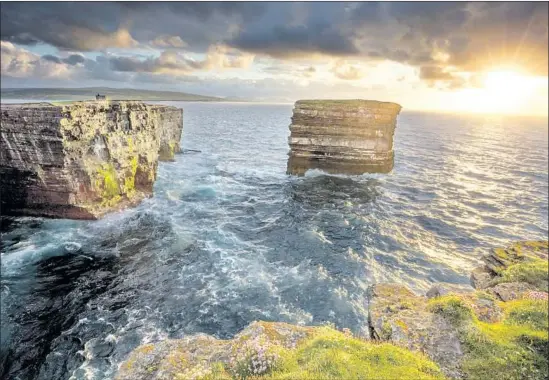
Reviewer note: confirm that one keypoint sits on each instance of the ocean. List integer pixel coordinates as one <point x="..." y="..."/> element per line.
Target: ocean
<point x="229" y="238"/>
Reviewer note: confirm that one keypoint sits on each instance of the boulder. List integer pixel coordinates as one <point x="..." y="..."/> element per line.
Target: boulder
<point x="399" y="316"/>
<point x="83" y="159"/>
<point x="342" y="136"/>
<point x="509" y="291"/>
<point x="438" y="290"/>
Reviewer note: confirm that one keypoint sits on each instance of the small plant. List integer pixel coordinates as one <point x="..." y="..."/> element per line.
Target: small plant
<point x="197" y="372"/>
<point x="254" y="357"/>
<point x="452" y="308"/>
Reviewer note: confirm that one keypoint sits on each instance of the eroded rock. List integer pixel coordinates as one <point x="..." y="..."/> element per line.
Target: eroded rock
<point x="399" y="316"/>
<point x="82" y="159"/>
<point x="183" y="358"/>
<point x="342" y="136"/>
<point x="510" y="272"/>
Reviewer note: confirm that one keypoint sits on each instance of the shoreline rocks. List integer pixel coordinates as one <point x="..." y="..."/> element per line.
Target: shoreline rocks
<point x="441" y="323"/>
<point x="83" y="159"/>
<point x="464" y="334"/>
<point x="342" y="136"/>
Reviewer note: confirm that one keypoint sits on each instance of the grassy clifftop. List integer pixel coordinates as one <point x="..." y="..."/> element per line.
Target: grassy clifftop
<point x="277" y="351"/>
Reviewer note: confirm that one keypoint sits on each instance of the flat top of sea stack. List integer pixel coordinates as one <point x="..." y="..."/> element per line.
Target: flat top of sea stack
<point x="340" y="103"/>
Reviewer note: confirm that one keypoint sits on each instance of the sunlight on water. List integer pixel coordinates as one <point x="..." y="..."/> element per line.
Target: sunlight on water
<point x="229" y="238"/>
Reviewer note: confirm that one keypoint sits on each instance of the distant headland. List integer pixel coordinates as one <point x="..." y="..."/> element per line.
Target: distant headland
<point x="85" y="93"/>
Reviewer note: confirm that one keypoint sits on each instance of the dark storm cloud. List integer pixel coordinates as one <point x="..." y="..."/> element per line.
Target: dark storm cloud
<point x="285" y="41"/>
<point x="471" y="36"/>
<point x="52" y="58"/>
<point x="72" y="59"/>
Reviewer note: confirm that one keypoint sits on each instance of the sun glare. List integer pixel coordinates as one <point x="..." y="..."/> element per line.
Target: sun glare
<point x="501" y="91"/>
<point x="503" y="81"/>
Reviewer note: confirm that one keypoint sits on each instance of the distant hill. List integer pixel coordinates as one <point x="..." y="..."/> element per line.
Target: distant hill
<point x="87" y="93"/>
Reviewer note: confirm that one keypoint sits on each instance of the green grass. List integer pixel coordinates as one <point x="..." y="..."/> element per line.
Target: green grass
<point x="514" y="348"/>
<point x="533" y="272"/>
<point x="527" y="313"/>
<point x="452" y="308"/>
<point x="331" y="354"/>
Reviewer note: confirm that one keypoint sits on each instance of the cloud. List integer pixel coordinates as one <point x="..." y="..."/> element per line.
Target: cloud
<point x="169" y="61"/>
<point x="72" y="59"/>
<point x="465" y="36"/>
<point x="20" y="63"/>
<point x="346" y="71"/>
<point x="52" y="58"/>
<point x="441" y="77"/>
<point x="434" y="73"/>
<point x="168" y="42"/>
<point x="287" y="70"/>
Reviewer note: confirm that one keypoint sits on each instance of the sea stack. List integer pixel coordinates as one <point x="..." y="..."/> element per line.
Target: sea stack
<point x="342" y="136"/>
<point x="83" y="159"/>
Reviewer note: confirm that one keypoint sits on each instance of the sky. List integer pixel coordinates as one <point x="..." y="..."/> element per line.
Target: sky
<point x="440" y="56"/>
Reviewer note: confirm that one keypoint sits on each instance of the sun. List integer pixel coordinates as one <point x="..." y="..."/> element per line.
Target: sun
<point x="506" y="81"/>
<point x="502" y="91"/>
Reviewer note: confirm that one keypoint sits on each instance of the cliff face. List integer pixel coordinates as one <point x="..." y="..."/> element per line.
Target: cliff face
<point x="342" y="136"/>
<point x="83" y="159"/>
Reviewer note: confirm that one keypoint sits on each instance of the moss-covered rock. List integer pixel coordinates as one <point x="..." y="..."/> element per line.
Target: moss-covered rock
<point x="523" y="265"/>
<point x="490" y="338"/>
<point x="276" y="351"/>
<point x="452" y="333"/>
<point x="399" y="316"/>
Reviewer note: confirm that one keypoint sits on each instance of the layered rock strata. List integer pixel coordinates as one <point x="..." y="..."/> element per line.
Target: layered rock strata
<point x="82" y="159"/>
<point x="342" y="136"/>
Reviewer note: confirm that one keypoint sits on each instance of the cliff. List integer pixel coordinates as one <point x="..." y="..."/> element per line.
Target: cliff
<point x="82" y="159"/>
<point x="499" y="330"/>
<point x="342" y="136"/>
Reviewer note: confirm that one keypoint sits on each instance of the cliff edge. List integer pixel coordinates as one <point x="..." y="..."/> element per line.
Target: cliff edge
<point x="83" y="159"/>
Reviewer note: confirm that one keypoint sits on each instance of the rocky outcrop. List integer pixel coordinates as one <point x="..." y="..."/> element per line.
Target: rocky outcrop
<point x="82" y="159"/>
<point x="453" y="332"/>
<point x="510" y="272"/>
<point x="274" y="350"/>
<point x="452" y="325"/>
<point x="190" y="357"/>
<point x="342" y="136"/>
<point x="399" y="316"/>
